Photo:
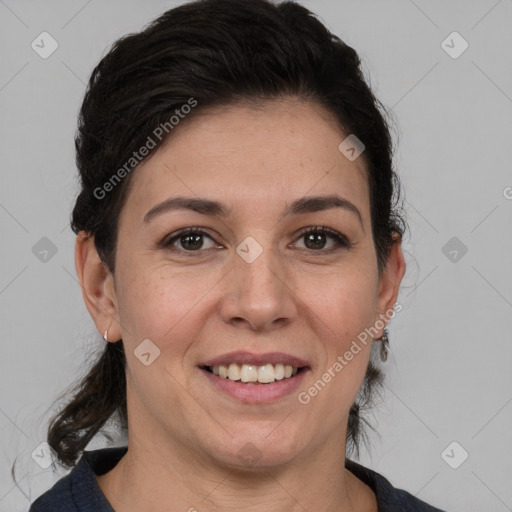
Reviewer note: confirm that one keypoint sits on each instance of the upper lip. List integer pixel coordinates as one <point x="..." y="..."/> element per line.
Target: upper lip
<point x="244" y="357"/>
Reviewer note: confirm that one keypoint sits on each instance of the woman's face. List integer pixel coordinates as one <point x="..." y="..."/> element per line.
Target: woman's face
<point x="251" y="282"/>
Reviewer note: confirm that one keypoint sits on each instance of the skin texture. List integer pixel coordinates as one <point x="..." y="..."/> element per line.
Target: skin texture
<point x="184" y="435"/>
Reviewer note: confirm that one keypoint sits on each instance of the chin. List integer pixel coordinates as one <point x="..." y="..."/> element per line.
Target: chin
<point x="253" y="452"/>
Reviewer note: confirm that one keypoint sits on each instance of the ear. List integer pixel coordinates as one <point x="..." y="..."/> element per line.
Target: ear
<point x="98" y="290"/>
<point x="389" y="281"/>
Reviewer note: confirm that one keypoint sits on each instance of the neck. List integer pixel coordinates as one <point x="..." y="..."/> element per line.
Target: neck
<point x="149" y="477"/>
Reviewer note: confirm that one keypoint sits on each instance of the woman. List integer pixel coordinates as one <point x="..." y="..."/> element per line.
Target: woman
<point x="239" y="249"/>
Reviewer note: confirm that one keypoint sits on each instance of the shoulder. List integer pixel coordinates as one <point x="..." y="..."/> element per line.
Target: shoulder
<point x="57" y="499"/>
<point x="389" y="498"/>
<point x="79" y="491"/>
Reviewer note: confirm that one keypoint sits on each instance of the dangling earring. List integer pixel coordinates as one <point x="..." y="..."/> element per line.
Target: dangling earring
<point x="384" y="348"/>
<point x="105" y="336"/>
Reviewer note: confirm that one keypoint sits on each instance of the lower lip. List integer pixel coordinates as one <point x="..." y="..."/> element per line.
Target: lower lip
<point x="256" y="393"/>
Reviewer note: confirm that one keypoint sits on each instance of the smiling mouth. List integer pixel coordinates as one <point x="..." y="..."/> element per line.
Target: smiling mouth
<point x="253" y="374"/>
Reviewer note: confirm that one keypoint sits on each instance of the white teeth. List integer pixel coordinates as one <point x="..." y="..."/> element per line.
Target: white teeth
<point x="265" y="374"/>
<point x="234" y="372"/>
<point x="279" y="371"/>
<point x="248" y="373"/>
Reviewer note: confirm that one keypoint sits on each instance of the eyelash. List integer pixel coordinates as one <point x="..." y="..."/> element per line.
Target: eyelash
<point x="341" y="242"/>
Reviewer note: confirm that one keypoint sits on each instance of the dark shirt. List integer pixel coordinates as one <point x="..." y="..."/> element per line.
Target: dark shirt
<point x="79" y="491"/>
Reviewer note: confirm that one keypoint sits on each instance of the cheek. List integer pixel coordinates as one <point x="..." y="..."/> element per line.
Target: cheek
<point x="344" y="301"/>
<point x="162" y="306"/>
<point x="341" y="310"/>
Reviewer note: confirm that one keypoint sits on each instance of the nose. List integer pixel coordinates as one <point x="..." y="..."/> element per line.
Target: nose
<point x="259" y="294"/>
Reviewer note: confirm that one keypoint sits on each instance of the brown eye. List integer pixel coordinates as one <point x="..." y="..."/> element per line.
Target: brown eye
<point x="191" y="242"/>
<point x="316" y="239"/>
<point x="188" y="240"/>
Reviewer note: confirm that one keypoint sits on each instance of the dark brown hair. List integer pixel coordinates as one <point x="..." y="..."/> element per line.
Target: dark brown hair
<point x="215" y="52"/>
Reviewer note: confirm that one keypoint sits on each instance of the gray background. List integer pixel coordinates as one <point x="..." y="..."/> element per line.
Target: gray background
<point x="449" y="375"/>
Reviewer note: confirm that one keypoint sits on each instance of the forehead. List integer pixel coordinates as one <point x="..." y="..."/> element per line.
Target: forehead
<point x="268" y="154"/>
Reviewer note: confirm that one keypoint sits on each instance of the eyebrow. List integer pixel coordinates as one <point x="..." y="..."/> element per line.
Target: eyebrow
<point x="308" y="204"/>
